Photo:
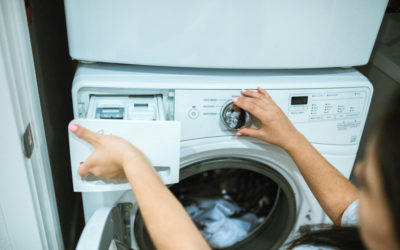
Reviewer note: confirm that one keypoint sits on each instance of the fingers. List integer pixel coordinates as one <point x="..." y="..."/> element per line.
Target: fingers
<point x="250" y="106"/>
<point x="83" y="133"/>
<point x="249" y="100"/>
<point x="249" y="132"/>
<point x="261" y="93"/>
<point x="253" y="94"/>
<point x="89" y="136"/>
<point x="84" y="169"/>
<point x="88" y="166"/>
<point x="264" y="93"/>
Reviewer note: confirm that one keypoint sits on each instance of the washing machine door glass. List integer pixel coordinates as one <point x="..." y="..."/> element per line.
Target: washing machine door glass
<point x="158" y="140"/>
<point x="236" y="203"/>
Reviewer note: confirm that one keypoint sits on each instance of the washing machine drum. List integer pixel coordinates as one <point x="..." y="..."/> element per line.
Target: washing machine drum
<point x="236" y="203"/>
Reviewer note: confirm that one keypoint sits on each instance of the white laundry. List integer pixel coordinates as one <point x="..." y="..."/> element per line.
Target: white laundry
<point x="216" y="225"/>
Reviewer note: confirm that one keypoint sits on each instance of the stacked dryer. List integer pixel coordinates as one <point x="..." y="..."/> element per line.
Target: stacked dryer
<point x="194" y="57"/>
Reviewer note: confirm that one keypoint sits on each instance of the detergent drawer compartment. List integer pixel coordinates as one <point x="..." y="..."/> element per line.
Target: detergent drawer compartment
<point x="138" y="119"/>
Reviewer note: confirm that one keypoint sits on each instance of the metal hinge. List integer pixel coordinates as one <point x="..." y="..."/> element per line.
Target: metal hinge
<point x="27" y="140"/>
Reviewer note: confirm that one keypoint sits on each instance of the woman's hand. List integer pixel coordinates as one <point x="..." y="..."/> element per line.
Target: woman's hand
<point x="275" y="128"/>
<point x="333" y="191"/>
<point x="110" y="154"/>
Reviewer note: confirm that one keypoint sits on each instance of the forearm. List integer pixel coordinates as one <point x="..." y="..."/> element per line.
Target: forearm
<point x="333" y="191"/>
<point x="165" y="218"/>
<point x="169" y="225"/>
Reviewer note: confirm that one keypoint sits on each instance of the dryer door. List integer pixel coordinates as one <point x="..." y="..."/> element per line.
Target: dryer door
<point x="104" y="228"/>
<point x="158" y="140"/>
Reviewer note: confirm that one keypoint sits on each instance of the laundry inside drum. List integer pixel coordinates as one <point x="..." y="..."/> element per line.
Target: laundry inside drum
<point x="231" y="207"/>
<point x="227" y="205"/>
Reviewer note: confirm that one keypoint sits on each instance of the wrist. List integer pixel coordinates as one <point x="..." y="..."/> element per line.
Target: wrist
<point x="128" y="158"/>
<point x="294" y="142"/>
<point x="134" y="157"/>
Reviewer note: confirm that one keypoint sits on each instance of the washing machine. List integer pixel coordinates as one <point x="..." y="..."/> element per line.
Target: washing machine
<point x="186" y="116"/>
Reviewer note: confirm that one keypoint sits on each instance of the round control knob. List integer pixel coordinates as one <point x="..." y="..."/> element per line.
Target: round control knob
<point x="234" y="117"/>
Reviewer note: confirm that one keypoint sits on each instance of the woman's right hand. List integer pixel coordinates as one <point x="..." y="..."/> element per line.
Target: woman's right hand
<point x="275" y="128"/>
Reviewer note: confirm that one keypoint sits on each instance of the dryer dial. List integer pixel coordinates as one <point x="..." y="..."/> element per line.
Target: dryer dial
<point x="234" y="117"/>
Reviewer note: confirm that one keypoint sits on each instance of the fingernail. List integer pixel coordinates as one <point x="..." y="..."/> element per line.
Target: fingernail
<point x="238" y="133"/>
<point x="73" y="127"/>
<point x="243" y="90"/>
<point x="234" y="99"/>
<point x="81" y="162"/>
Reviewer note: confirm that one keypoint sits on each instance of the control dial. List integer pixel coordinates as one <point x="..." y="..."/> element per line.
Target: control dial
<point x="234" y="117"/>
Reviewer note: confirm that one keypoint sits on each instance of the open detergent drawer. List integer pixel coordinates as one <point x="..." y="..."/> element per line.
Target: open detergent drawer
<point x="158" y="139"/>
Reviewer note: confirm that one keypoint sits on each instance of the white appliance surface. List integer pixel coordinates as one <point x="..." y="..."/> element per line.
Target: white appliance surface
<point x="224" y="33"/>
<point x="328" y="106"/>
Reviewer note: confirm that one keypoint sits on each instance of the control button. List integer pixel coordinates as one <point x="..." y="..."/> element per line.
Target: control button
<point x="234" y="117"/>
<point x="193" y="113"/>
<point x="297" y="112"/>
<point x="316" y="117"/>
<point x="329" y="117"/>
<point x="340" y="116"/>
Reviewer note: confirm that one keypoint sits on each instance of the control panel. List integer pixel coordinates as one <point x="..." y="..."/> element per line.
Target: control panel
<point x="325" y="116"/>
<point x="325" y="106"/>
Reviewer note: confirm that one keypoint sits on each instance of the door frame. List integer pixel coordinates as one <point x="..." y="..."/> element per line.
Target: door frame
<point x="28" y="209"/>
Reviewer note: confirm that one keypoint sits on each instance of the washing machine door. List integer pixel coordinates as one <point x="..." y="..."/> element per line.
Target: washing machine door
<point x="158" y="140"/>
<point x="105" y="230"/>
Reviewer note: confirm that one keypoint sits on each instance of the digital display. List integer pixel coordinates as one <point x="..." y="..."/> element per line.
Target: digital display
<point x="299" y="100"/>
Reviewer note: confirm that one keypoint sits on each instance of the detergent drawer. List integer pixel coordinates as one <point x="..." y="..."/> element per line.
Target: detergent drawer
<point x="138" y="119"/>
<point x="158" y="140"/>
